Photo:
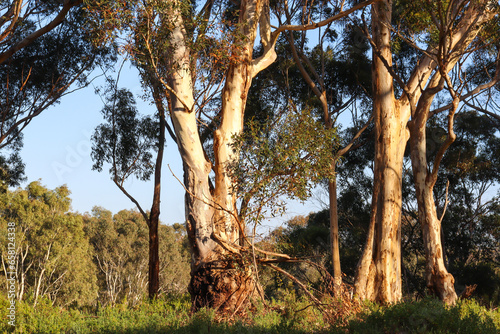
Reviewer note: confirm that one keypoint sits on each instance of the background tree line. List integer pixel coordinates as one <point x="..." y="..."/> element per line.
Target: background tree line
<point x="75" y="259"/>
<point x="99" y="258"/>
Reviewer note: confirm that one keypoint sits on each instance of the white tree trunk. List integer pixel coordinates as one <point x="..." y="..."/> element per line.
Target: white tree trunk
<point x="211" y="214"/>
<point x="439" y="281"/>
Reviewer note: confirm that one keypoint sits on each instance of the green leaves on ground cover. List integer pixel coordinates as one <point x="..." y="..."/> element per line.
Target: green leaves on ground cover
<point x="291" y="316"/>
<point x="428" y="316"/>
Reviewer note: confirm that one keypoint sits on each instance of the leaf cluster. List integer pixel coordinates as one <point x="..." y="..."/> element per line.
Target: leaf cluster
<point x="282" y="157"/>
<point x="126" y="139"/>
<point x="37" y="75"/>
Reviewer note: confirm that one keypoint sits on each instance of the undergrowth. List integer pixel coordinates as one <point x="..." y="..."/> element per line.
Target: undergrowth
<point x="291" y="315"/>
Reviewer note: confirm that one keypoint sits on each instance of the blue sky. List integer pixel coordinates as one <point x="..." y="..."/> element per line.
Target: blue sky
<point x="57" y="151"/>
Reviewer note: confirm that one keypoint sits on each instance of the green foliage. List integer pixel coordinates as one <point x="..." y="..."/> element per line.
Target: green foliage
<point x="120" y="252"/>
<point x="283" y="157"/>
<point x="66" y="259"/>
<point x="428" y="316"/>
<point x="288" y="315"/>
<point x="38" y="74"/>
<point x="126" y="139"/>
<point x="53" y="256"/>
<point x="175" y="259"/>
<point x="120" y="244"/>
<point x="142" y="29"/>
<point x="11" y="167"/>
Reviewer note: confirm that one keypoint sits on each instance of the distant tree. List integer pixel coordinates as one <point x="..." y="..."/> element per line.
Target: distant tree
<point x="127" y="141"/>
<point x="175" y="259"/>
<point x="52" y="254"/>
<point x="120" y="244"/>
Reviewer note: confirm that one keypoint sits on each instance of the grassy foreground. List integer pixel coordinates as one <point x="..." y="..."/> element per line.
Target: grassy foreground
<point x="291" y="316"/>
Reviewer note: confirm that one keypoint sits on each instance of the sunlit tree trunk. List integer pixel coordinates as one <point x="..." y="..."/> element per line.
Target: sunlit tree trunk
<point x="456" y="41"/>
<point x="219" y="278"/>
<point x="378" y="276"/>
<point x="379" y="270"/>
<point x="334" y="234"/>
<point x="439" y="281"/>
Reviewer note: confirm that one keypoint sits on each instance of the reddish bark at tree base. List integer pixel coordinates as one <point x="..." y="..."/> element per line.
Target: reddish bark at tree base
<point x="221" y="285"/>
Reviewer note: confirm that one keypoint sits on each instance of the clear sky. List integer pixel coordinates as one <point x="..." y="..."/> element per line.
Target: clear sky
<point x="57" y="150"/>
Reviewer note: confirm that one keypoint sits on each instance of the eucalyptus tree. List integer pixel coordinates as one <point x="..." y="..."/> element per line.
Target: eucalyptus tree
<point x="336" y="73"/>
<point x="202" y="53"/>
<point x="45" y="50"/>
<point x="52" y="255"/>
<point x="448" y="35"/>
<point x="126" y="141"/>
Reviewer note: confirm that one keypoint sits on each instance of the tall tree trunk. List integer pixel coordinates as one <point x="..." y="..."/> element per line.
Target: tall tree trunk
<point x="154" y="216"/>
<point x="219" y="276"/>
<point x="334" y="234"/>
<point x="223" y="279"/>
<point x="439" y="281"/>
<point x="332" y="185"/>
<point x="378" y="276"/>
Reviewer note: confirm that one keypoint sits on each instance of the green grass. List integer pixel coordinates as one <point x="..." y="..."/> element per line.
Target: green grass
<point x="428" y="316"/>
<point x="171" y="315"/>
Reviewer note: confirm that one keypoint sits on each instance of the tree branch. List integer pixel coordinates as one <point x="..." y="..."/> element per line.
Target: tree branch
<point x="68" y="4"/>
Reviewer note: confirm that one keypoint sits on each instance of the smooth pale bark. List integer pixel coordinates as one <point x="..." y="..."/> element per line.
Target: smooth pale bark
<point x="198" y="198"/>
<point x="439" y="281"/>
<point x="379" y="271"/>
<point x="219" y="277"/>
<point x="379" y="277"/>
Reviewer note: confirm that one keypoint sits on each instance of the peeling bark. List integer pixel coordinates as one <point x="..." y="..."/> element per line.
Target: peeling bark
<point x="439" y="281"/>
<point x="379" y="271"/>
<point x="220" y="277"/>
